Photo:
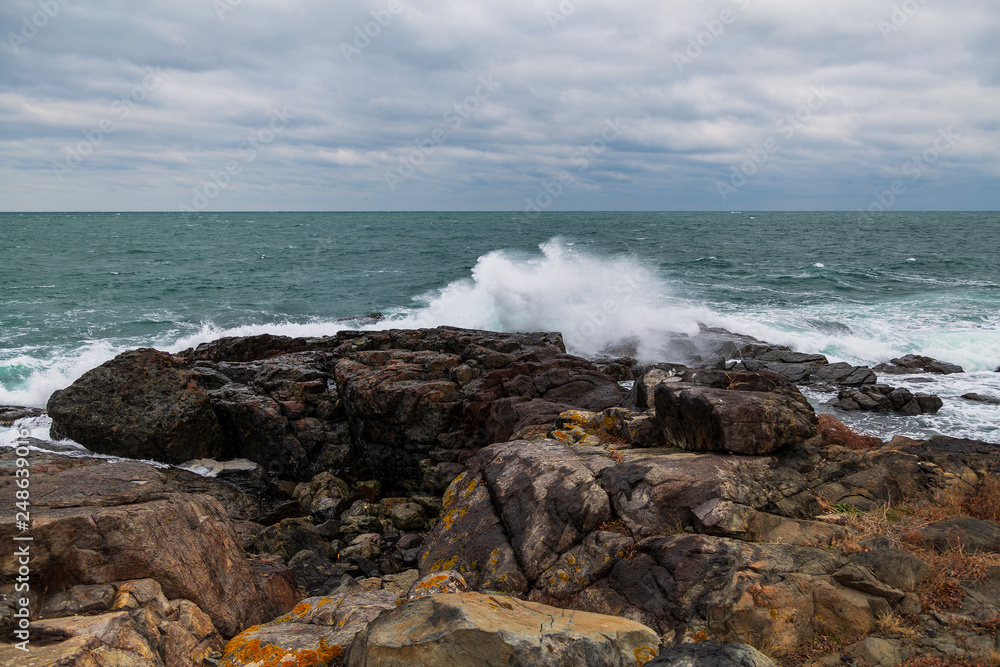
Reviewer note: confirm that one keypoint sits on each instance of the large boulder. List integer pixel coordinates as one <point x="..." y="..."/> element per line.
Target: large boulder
<point x="111" y="522"/>
<point x="140" y="403"/>
<point x="742" y="413"/>
<point x="476" y="629"/>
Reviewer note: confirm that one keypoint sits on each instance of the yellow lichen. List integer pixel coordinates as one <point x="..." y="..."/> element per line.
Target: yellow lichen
<point x="470" y="488"/>
<point x="644" y="654"/>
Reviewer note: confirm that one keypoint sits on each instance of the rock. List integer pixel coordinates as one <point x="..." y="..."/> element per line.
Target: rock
<point x="876" y="652"/>
<point x="138" y="403"/>
<point x="742" y="413"/>
<point x="313" y="573"/>
<point x="144" y="629"/>
<point x="325" y="495"/>
<point x="970" y="535"/>
<point x="566" y="526"/>
<point x="448" y="581"/>
<point x="408" y="405"/>
<point x="477" y="629"/>
<point x="621" y="369"/>
<point x="979" y="398"/>
<point x="914" y="363"/>
<point x="78" y="600"/>
<point x="102" y="523"/>
<point x="883" y="398"/>
<point x="290" y="536"/>
<point x="408" y="516"/>
<point x="895" y="568"/>
<point x="318" y="631"/>
<point x="711" y="654"/>
<point x="11" y="413"/>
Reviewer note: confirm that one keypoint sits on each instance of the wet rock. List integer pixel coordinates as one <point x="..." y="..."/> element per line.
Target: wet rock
<point x="980" y="398"/>
<point x="914" y="363"/>
<point x="472" y="628"/>
<point x="141" y="402"/>
<point x="621" y="369"/>
<point x="883" y="398"/>
<point x="11" y="413"/>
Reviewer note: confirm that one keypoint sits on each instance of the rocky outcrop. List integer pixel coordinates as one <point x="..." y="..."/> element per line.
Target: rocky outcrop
<point x="477" y="629"/>
<point x="566" y="525"/>
<point x="409" y="406"/>
<point x="104" y="523"/>
<point x="883" y="398"/>
<point x="915" y="363"/>
<point x="742" y="413"/>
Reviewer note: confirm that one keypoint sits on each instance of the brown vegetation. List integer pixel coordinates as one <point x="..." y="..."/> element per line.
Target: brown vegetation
<point x="835" y="432"/>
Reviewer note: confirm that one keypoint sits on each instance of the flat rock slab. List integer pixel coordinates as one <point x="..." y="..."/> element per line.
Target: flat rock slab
<point x="475" y="629"/>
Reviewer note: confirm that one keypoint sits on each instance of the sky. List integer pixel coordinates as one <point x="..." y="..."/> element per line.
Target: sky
<point x="223" y="105"/>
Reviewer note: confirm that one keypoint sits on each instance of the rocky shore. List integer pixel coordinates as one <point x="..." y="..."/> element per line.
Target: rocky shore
<point x="449" y="496"/>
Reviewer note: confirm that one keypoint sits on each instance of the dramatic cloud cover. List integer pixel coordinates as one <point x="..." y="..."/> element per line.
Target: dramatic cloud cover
<point x="453" y="104"/>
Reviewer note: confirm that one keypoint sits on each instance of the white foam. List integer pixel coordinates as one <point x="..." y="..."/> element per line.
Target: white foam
<point x="593" y="301"/>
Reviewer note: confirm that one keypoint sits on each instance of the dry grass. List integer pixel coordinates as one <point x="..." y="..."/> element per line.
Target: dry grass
<point x="835" y="432"/>
<point x="891" y="623"/>
<point x="984" y="502"/>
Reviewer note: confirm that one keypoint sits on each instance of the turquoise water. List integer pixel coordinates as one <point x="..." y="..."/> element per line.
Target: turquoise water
<point x="79" y="288"/>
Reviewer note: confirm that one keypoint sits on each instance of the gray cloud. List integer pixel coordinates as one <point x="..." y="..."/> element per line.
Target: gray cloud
<point x="699" y="88"/>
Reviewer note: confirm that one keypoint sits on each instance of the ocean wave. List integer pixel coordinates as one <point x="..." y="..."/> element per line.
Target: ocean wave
<point x="597" y="302"/>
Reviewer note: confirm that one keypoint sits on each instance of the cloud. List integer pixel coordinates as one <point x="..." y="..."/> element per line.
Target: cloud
<point x="393" y="87"/>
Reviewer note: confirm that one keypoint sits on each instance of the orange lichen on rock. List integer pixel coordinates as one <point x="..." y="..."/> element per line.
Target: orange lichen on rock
<point x="241" y="650"/>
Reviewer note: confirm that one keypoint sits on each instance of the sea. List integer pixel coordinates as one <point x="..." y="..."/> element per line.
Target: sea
<point x="76" y="289"/>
